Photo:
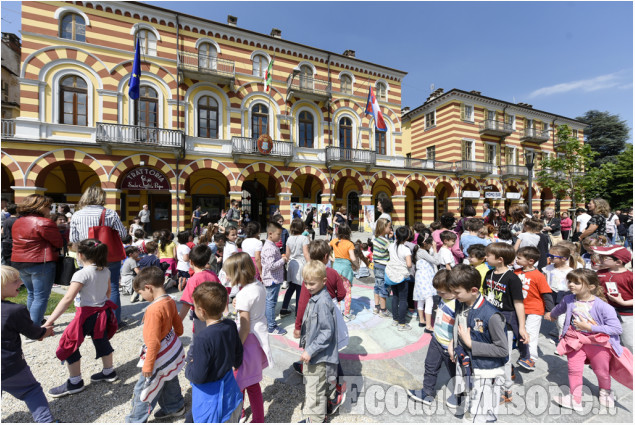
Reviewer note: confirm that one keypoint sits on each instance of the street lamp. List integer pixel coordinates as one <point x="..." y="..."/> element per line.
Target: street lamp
<point x="529" y="163"/>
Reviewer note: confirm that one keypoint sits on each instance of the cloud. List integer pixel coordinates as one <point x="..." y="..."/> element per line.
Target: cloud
<point x="592" y="84"/>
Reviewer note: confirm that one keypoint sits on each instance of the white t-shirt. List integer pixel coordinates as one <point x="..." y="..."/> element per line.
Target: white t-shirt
<point x="251" y="246"/>
<point x="181" y="251"/>
<point x="396" y="269"/>
<point x="94" y="286"/>
<point x="583" y="219"/>
<point x="229" y="249"/>
<point x="445" y="256"/>
<point x="557" y="278"/>
<point x="528" y="239"/>
<point x="252" y="298"/>
<point x="612" y="223"/>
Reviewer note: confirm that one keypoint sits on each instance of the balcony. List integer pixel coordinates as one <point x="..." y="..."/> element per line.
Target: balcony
<point x="120" y="134"/>
<point x="207" y="68"/>
<point x="475" y="167"/>
<point x="430" y="164"/>
<point x="336" y="154"/>
<point x="8" y="128"/>
<point x="496" y="128"/>
<point x="508" y="171"/>
<point x="249" y="146"/>
<point x="534" y="135"/>
<point x="304" y="87"/>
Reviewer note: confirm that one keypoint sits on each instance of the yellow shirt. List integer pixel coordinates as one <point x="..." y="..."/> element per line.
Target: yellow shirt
<point x="169" y="251"/>
<point x="482" y="269"/>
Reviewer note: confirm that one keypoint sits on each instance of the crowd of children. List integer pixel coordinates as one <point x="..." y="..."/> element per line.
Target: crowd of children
<point x="479" y="289"/>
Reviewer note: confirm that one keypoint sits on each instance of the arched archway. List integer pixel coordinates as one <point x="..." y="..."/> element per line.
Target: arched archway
<point x="414" y="191"/>
<point x="442" y="192"/>
<point x="260" y="198"/>
<point x="208" y="188"/>
<point x="65" y="181"/>
<point x="7" y="181"/>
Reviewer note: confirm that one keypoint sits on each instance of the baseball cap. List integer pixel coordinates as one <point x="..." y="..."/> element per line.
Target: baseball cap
<point x="616" y="251"/>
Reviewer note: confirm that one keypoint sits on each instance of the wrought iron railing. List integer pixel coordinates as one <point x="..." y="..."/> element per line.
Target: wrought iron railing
<point x="430" y="164"/>
<point x="499" y="126"/>
<point x="475" y="167"/>
<point x="249" y="145"/>
<point x="533" y="133"/>
<point x="207" y="64"/>
<point x="302" y="83"/>
<point x="514" y="170"/>
<point x="121" y="133"/>
<point x="362" y="156"/>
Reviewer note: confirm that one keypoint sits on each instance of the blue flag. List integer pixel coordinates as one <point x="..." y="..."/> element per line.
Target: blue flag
<point x="135" y="80"/>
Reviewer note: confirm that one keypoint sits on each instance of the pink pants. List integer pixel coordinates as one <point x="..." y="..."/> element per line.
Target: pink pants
<point x="599" y="357"/>
<point x="256" y="402"/>
<point x="347" y="298"/>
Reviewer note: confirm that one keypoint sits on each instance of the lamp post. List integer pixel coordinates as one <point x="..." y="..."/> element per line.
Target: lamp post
<point x="529" y="163"/>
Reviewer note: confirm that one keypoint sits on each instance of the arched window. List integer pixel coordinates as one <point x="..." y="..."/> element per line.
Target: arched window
<point x="260" y="65"/>
<point x="207" y="117"/>
<point x="207" y="56"/>
<point x="73" y="100"/>
<point x="73" y="27"/>
<point x="380" y="142"/>
<point x="346" y="133"/>
<point x="146" y="114"/>
<point x="306" y="130"/>
<point x="380" y="89"/>
<point x="306" y="77"/>
<point x="346" y="84"/>
<point x="147" y="42"/>
<point x="259" y="121"/>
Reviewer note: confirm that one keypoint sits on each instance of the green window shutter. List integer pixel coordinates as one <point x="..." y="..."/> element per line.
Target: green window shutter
<point x="484" y="114"/>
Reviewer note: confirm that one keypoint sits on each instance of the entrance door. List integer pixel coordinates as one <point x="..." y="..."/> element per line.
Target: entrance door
<point x="352" y="209"/>
<point x="160" y="211"/>
<point x="257" y="201"/>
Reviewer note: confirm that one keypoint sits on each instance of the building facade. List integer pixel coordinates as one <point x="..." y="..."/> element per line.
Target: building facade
<point x="10" y="76"/>
<point x="192" y="138"/>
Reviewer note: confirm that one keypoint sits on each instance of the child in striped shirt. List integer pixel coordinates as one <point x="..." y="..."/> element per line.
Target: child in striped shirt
<point x="380" y="260"/>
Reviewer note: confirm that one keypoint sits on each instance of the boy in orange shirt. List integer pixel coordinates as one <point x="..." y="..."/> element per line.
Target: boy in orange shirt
<point x="162" y="357"/>
<point x="538" y="300"/>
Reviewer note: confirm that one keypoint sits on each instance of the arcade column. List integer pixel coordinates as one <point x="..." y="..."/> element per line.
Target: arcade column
<point x="454" y="205"/>
<point x="365" y="200"/>
<point x="427" y="209"/>
<point x="399" y="215"/>
<point x="284" y="202"/>
<point x="178" y="211"/>
<point x="21" y="192"/>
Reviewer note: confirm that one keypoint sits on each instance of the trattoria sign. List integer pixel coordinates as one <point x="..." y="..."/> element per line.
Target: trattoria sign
<point x="145" y="178"/>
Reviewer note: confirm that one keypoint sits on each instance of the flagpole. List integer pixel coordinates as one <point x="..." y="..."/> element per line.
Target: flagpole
<point x="269" y="89"/>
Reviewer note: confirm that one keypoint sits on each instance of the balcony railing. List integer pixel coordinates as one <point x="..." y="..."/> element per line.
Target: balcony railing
<point x="534" y="135"/>
<point x="475" y="167"/>
<point x="133" y="134"/>
<point x="514" y="171"/>
<point x="302" y="86"/>
<point x="496" y="128"/>
<point x="361" y="156"/>
<point x="8" y="128"/>
<point x="208" y="65"/>
<point x="430" y="164"/>
<point x="249" y="146"/>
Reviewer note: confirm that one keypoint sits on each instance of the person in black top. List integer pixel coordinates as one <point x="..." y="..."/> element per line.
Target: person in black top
<point x="7" y="239"/>
<point x="310" y="219"/>
<point x="17" y="378"/>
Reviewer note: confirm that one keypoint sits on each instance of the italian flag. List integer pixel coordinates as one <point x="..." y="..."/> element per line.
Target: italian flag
<point x="269" y="76"/>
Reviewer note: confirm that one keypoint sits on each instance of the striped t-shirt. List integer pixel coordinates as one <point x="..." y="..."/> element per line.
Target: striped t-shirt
<point x="444" y="322"/>
<point x="380" y="250"/>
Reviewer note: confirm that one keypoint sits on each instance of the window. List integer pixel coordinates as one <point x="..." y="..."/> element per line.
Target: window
<point x="490" y="153"/>
<point x="466" y="152"/>
<point x="574" y="134"/>
<point x="306" y="130"/>
<point x="147" y="113"/>
<point x="346" y="133"/>
<point x="491" y="117"/>
<point x="528" y="123"/>
<point x="73" y="27"/>
<point x="468" y="113"/>
<point x="74" y="100"/>
<point x="5" y="91"/>
<point x="431" y="153"/>
<point x="346" y="84"/>
<point x="380" y="142"/>
<point x="207" y="117"/>
<point x="147" y="42"/>
<point x="306" y="77"/>
<point x="260" y="66"/>
<point x="511" y="120"/>
<point x="207" y="56"/>
<point x="380" y="88"/>
<point x="510" y="156"/>
<point x="431" y="119"/>
<point x="259" y="121"/>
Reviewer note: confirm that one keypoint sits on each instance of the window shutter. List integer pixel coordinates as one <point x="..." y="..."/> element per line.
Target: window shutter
<point x="463" y="149"/>
<point x="486" y="152"/>
<point x="485" y="112"/>
<point x="462" y="109"/>
<point x="517" y="156"/>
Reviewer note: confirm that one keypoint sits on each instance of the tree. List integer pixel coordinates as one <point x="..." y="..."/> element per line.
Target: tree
<point x="570" y="172"/>
<point x="606" y="134"/>
<point x="621" y="193"/>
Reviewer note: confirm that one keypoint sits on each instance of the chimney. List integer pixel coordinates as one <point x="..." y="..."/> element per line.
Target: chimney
<point x="405" y="110"/>
<point x="478" y="93"/>
<point x="349" y="53"/>
<point x="435" y="94"/>
<point x="275" y="32"/>
<point x="232" y="20"/>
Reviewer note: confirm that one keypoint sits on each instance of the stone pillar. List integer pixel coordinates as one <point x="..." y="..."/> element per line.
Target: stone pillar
<point x="427" y="209"/>
<point x="179" y="218"/>
<point x="454" y="205"/>
<point x="365" y="200"/>
<point x="399" y="215"/>
<point x="327" y="198"/>
<point x="284" y="199"/>
<point x="21" y="192"/>
<point x="113" y="197"/>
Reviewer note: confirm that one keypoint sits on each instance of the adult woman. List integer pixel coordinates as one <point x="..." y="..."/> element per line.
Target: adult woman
<point x="468" y="211"/>
<point x="309" y="221"/>
<point x="87" y="215"/>
<point x="447" y="223"/>
<point x="385" y="207"/>
<point x="494" y="218"/>
<point x="324" y="223"/>
<point x="36" y="244"/>
<point x="599" y="210"/>
<point x="552" y="226"/>
<point x="517" y="217"/>
<point x="565" y="225"/>
<point x="341" y="218"/>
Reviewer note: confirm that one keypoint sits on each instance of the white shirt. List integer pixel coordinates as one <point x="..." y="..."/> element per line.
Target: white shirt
<point x="583" y="219"/>
<point x="229" y="249"/>
<point x="557" y="278"/>
<point x="181" y="251"/>
<point x="251" y="246"/>
<point x="612" y="223"/>
<point x="252" y="298"/>
<point x="396" y="269"/>
<point x="445" y="256"/>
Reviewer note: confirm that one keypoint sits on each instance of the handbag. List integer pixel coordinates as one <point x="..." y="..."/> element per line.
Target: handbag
<point x="64" y="271"/>
<point x="110" y="237"/>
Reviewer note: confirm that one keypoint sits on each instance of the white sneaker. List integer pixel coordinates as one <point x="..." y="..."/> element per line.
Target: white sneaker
<point x="285" y="285"/>
<point x="567" y="402"/>
<point x="607" y="399"/>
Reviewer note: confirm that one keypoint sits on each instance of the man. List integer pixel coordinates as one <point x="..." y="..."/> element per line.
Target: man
<point x="233" y="215"/>
<point x="196" y="220"/>
<point x="581" y="220"/>
<point x="485" y="209"/>
<point x="297" y="213"/>
<point x="144" y="216"/>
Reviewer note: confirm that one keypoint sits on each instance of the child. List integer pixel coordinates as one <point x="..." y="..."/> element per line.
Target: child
<point x="151" y="259"/>
<point x="217" y="247"/>
<point x="588" y="316"/>
<point x="479" y="333"/>
<point x="134" y="227"/>
<point x="90" y="290"/>
<point x="537" y="301"/>
<point x="167" y="252"/>
<point x="617" y="283"/>
<point x="231" y="234"/>
<point x="397" y="276"/>
<point x="251" y="305"/>
<point x="129" y="270"/>
<point x="17" y="378"/>
<point x="504" y="290"/>
<point x="216" y="350"/>
<point x="380" y="260"/>
<point x="183" y="258"/>
<point x="364" y="262"/>
<point x="529" y="236"/>
<point x="424" y="288"/>
<point x="505" y="234"/>
<point x="140" y="236"/>
<point x="440" y="350"/>
<point x="344" y="252"/>
<point x="574" y="248"/>
<point x="476" y="258"/>
<point x="282" y="244"/>
<point x="319" y="341"/>
<point x="471" y="236"/>
<point x="252" y="245"/>
<point x="272" y="274"/>
<point x="298" y="255"/>
<point x="556" y="273"/>
<point x="162" y="356"/>
<point x="445" y="258"/>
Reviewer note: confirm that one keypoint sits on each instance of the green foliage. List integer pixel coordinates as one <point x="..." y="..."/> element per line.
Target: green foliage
<point x="50" y="306"/>
<point x="621" y="184"/>
<point x="606" y="134"/>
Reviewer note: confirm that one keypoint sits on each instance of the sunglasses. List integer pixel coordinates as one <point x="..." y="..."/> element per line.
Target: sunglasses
<point x="555" y="256"/>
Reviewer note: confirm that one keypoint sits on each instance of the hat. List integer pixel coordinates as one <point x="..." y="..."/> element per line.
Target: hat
<point x="616" y="251"/>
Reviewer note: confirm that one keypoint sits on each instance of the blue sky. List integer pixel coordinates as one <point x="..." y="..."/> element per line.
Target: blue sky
<point x="561" y="57"/>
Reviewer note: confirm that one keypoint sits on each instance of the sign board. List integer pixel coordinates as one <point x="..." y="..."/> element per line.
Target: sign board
<point x="493" y="195"/>
<point x="490" y="188"/>
<point x="512" y="195"/>
<point x="145" y="178"/>
<point x="369" y="218"/>
<point x="472" y="194"/>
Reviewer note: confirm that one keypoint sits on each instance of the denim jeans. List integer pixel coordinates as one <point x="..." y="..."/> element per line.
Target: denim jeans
<point x="436" y="357"/>
<point x="400" y="301"/>
<point x="115" y="273"/>
<point x="270" y="307"/>
<point x="23" y="386"/>
<point x="169" y="398"/>
<point x="38" y="280"/>
<point x="380" y="288"/>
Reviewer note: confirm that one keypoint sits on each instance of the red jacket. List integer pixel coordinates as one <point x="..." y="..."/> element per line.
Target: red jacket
<point x="334" y="286"/>
<point x="35" y="240"/>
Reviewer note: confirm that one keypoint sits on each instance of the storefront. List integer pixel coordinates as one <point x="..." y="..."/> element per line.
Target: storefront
<point x="146" y="185"/>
